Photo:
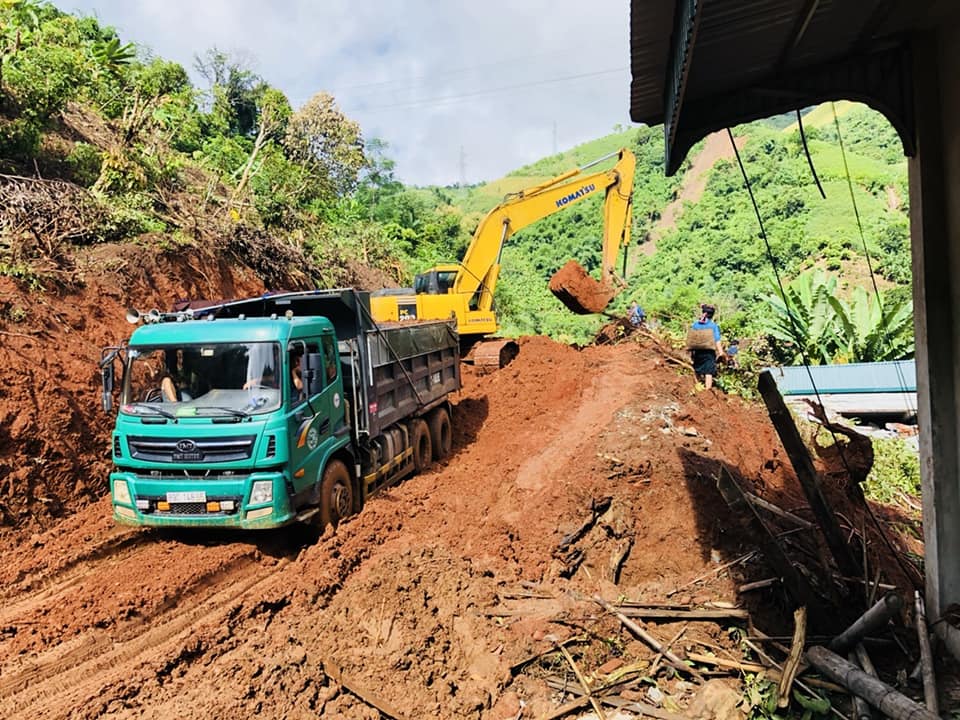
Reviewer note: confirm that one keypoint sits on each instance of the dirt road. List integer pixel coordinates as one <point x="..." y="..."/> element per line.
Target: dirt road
<point x="99" y="621"/>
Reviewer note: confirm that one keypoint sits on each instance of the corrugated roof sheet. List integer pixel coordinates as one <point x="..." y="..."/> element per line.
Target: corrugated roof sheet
<point x="746" y="43"/>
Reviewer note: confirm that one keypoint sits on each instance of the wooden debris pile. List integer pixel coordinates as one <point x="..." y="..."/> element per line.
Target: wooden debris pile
<point x="656" y="659"/>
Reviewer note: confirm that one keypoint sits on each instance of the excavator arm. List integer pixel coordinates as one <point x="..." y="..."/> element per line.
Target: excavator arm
<point x="480" y="267"/>
<point x="465" y="290"/>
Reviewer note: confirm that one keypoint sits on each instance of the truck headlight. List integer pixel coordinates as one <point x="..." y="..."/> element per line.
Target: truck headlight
<point x="262" y="492"/>
<point x="121" y="493"/>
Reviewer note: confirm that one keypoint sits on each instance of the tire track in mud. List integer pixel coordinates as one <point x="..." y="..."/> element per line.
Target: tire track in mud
<point x="17" y="602"/>
<point x="64" y="678"/>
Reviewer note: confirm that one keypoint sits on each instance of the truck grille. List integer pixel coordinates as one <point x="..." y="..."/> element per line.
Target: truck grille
<point x="193" y="508"/>
<point x="170" y="450"/>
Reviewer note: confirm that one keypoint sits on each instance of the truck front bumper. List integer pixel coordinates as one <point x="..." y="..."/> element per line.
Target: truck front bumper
<point x="219" y="501"/>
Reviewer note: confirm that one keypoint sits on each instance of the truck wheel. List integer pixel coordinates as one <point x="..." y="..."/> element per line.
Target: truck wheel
<point x="336" y="494"/>
<point x="441" y="434"/>
<point x="422" y="447"/>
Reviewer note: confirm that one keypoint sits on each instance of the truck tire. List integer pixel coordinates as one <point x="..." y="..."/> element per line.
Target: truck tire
<point x="336" y="494"/>
<point x="422" y="447"/>
<point x="441" y="433"/>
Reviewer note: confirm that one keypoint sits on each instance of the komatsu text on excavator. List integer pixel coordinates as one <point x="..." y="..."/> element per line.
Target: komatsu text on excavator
<point x="465" y="290"/>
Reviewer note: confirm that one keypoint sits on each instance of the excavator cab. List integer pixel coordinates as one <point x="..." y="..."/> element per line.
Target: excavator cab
<point x="436" y="281"/>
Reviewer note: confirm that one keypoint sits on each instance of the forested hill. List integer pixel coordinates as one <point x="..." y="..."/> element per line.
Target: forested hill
<point x="102" y="143"/>
<point x="697" y="237"/>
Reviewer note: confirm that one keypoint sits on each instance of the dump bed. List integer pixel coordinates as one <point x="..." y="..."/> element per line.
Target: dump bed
<point x="390" y="371"/>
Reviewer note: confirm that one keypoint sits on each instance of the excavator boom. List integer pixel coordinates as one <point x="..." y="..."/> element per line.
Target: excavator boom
<point x="465" y="290"/>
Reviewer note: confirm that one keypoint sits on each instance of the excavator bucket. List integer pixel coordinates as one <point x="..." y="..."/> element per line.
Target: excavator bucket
<point x="578" y="291"/>
<point x="494" y="354"/>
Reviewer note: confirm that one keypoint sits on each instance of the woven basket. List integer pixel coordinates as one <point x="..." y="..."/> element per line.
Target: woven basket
<point x="701" y="339"/>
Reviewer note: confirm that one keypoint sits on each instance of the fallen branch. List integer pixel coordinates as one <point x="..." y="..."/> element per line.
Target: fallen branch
<point x="517" y="667"/>
<point x="734" y="664"/>
<point x="701" y="614"/>
<point x="778" y="511"/>
<point x="792" y="664"/>
<point x="713" y="572"/>
<point x="612" y="701"/>
<point x="642" y="634"/>
<point x="758" y="585"/>
<point x="582" y="681"/>
<point x="655" y="665"/>
<point x="805" y="685"/>
<point x="880" y="695"/>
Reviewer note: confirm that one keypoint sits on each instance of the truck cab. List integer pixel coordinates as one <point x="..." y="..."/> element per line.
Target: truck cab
<point x="219" y="423"/>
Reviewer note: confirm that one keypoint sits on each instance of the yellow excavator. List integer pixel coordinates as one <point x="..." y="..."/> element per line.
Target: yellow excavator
<point x="465" y="290"/>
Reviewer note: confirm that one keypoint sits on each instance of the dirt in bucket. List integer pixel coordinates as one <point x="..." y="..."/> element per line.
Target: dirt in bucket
<point x="579" y="292"/>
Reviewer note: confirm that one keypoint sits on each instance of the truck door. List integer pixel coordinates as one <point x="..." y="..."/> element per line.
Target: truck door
<point x="312" y="421"/>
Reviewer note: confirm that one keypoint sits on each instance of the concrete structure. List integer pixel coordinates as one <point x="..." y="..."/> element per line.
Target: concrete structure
<point x="703" y="65"/>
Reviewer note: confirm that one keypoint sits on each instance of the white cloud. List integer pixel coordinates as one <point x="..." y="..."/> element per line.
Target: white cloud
<point x="428" y="76"/>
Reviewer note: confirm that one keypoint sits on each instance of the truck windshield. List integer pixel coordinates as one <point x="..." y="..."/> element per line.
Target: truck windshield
<point x="230" y="379"/>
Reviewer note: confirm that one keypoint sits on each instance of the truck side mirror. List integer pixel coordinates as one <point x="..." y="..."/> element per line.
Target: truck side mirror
<point x="312" y="376"/>
<point x="106" y="378"/>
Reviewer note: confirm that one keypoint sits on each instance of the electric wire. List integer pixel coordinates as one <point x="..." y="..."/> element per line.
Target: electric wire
<point x="866" y="252"/>
<point x="437" y="101"/>
<point x="410" y="81"/>
<point x="806" y="151"/>
<point x="803" y="355"/>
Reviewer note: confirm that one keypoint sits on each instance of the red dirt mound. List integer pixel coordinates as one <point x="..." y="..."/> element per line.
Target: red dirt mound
<point x="573" y="473"/>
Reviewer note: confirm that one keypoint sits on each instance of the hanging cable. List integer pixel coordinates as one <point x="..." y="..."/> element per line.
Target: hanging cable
<point x="803" y="354"/>
<point x="806" y="151"/>
<point x="866" y="252"/>
<point x="794" y="330"/>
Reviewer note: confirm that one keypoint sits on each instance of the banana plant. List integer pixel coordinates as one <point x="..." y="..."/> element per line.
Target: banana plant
<point x="816" y="324"/>
<point x="805" y="323"/>
<point x="111" y="55"/>
<point x="871" y="331"/>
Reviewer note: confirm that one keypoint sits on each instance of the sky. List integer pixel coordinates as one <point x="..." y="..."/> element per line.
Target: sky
<point x="460" y="91"/>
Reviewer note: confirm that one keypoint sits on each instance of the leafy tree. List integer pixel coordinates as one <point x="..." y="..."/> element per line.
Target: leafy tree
<point x="328" y="144"/>
<point x="272" y="117"/>
<point x="871" y="330"/>
<point x="805" y="325"/>
<point x="235" y="88"/>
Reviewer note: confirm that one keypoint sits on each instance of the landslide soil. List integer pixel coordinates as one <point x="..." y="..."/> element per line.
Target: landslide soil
<point x="425" y="602"/>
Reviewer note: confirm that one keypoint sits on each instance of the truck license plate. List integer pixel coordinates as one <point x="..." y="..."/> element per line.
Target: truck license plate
<point x="189" y="496"/>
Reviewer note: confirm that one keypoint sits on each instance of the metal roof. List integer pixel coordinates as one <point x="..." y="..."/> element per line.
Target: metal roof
<point x="702" y="65"/>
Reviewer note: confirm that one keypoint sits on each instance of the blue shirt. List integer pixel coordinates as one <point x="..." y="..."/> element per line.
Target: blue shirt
<point x="708" y="325"/>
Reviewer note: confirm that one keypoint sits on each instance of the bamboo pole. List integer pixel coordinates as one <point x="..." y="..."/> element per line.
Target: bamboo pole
<point x="873" y="619"/>
<point x="926" y="656"/>
<point x="880" y="695"/>
<point x="861" y="708"/>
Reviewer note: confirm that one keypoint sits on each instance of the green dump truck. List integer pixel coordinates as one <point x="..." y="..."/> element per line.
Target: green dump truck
<point x="261" y="412"/>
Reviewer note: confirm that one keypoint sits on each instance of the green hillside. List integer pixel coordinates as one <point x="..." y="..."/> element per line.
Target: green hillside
<point x="103" y="142"/>
<point x="714" y="252"/>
